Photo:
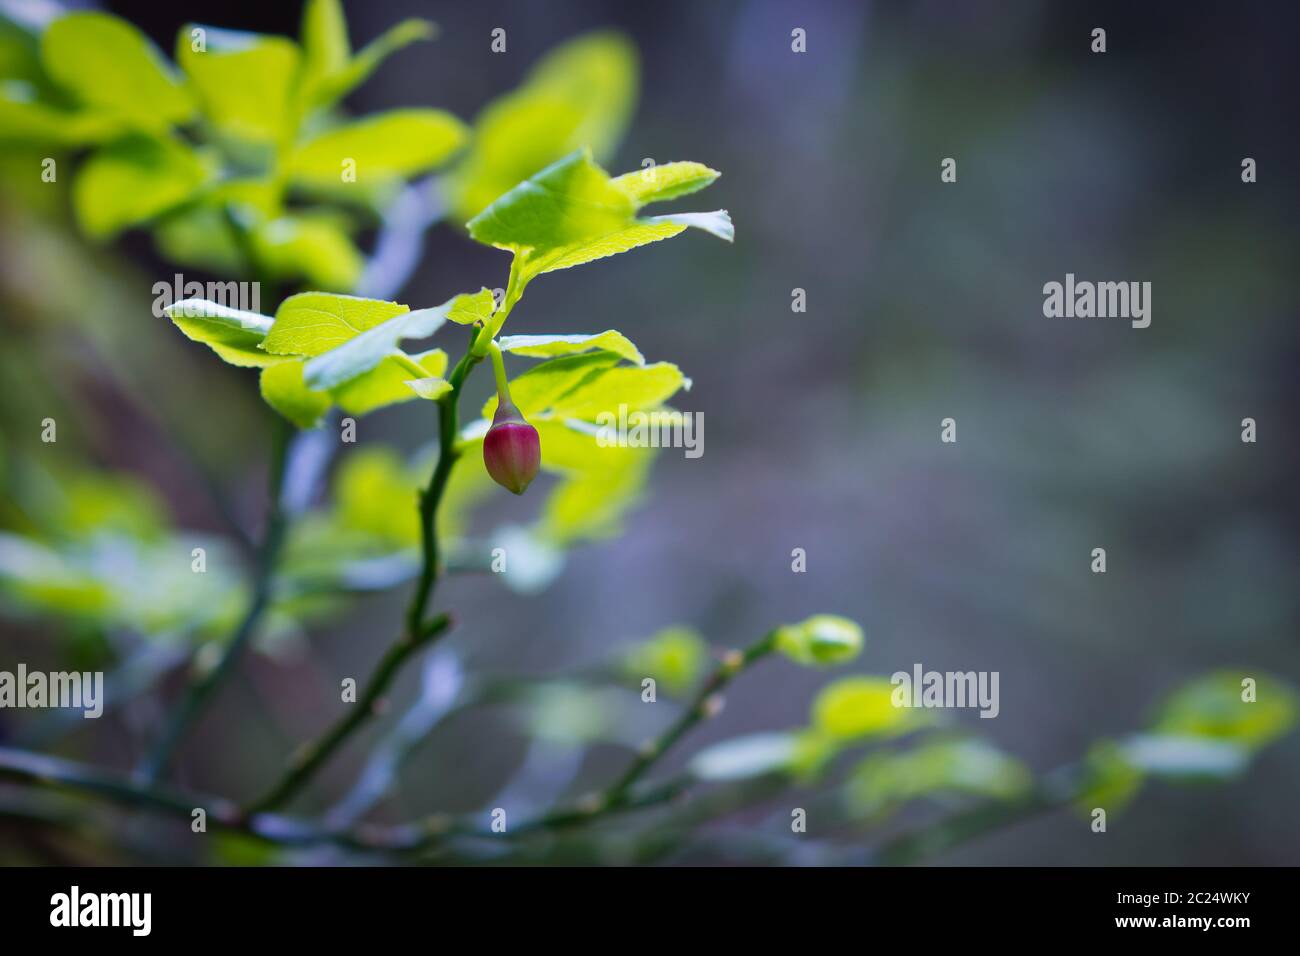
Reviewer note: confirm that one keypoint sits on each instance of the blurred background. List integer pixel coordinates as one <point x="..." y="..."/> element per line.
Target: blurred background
<point x="924" y="301"/>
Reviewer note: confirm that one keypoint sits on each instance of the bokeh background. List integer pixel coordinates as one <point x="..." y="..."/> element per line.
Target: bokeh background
<point x="821" y="428"/>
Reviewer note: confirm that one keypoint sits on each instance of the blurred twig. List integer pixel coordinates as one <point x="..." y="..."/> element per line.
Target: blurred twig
<point x="201" y="689"/>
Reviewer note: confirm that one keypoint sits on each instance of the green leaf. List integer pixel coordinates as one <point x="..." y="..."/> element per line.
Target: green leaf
<point x="316" y="249"/>
<point x="591" y="505"/>
<point x="470" y="308"/>
<point x="24" y="119"/>
<point x="675" y="657"/>
<point x="107" y="63"/>
<point x="854" y="708"/>
<point x="323" y="90"/>
<point x="580" y="94"/>
<point x="633" y="388"/>
<point x="245" y="81"/>
<point x="383" y="147"/>
<point x="232" y="333"/>
<point x="325" y="45"/>
<point x="133" y="181"/>
<point x="572" y="213"/>
<point x="885" y="780"/>
<point x="387" y="383"/>
<point x="284" y="390"/>
<point x="549" y="346"/>
<point x="535" y="390"/>
<point x="823" y="639"/>
<point x="1213" y="707"/>
<point x="664" y="182"/>
<point x="371" y="345"/>
<point x="430" y="388"/>
<point x="569" y="201"/>
<point x="311" y="323"/>
<point x="622" y="240"/>
<point x="1111" y="780"/>
<point x="375" y="493"/>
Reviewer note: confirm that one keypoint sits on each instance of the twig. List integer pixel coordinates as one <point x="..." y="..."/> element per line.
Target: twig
<point x="313" y="756"/>
<point x="418" y="633"/>
<point x="200" y="690"/>
<point x="706" y="704"/>
<point x="441" y="683"/>
<point x="1053" y="791"/>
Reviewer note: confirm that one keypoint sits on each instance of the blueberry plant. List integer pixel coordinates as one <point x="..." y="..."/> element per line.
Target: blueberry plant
<point x="237" y="158"/>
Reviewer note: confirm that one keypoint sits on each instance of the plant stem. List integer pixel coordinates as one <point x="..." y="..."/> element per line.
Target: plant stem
<point x="313" y="756"/>
<point x="1055" y="790"/>
<point x="201" y="689"/>
<point x="705" y="705"/>
<point x="618" y="797"/>
<point x="418" y="633"/>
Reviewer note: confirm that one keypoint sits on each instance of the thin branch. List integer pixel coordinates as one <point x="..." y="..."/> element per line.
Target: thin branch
<point x="1055" y="790"/>
<point x="314" y="755"/>
<point x="201" y="689"/>
<point x="706" y="703"/>
<point x="418" y="632"/>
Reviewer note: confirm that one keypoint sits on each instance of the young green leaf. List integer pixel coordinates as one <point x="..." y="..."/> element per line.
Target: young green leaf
<point x="315" y="248"/>
<point x="675" y="657"/>
<point x="823" y="639"/>
<point x="325" y="46"/>
<point x="854" y="708"/>
<point x="245" y="81"/>
<point x="24" y="119"/>
<point x="590" y="506"/>
<point x="132" y="181"/>
<point x="431" y="388"/>
<point x="580" y="94"/>
<point x="375" y="493"/>
<point x="284" y="390"/>
<point x="887" y="780"/>
<point x="312" y="323"/>
<point x="386" y="384"/>
<point x="1217" y="706"/>
<point x="666" y="181"/>
<point x="572" y="212"/>
<point x="549" y="346"/>
<point x="325" y="89"/>
<point x="534" y="391"/>
<point x="232" y="333"/>
<point x="633" y="388"/>
<point x="107" y="63"/>
<point x="383" y="147"/>
<point x="369" y="346"/>
<point x="569" y="201"/>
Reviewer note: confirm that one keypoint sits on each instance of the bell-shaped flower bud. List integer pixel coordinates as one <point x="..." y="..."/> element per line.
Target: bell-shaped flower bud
<point x="512" y="450"/>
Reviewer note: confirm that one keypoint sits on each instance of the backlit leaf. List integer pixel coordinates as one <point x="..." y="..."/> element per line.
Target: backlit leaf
<point x="284" y="390"/>
<point x="245" y="81"/>
<point x="107" y="63"/>
<point x="383" y="146"/>
<point x="132" y="181"/>
<point x="580" y="94"/>
<point x="232" y="333"/>
<point x="549" y="346"/>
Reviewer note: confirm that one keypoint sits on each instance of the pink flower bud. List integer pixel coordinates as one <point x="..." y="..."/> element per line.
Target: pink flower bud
<point x="512" y="450"/>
